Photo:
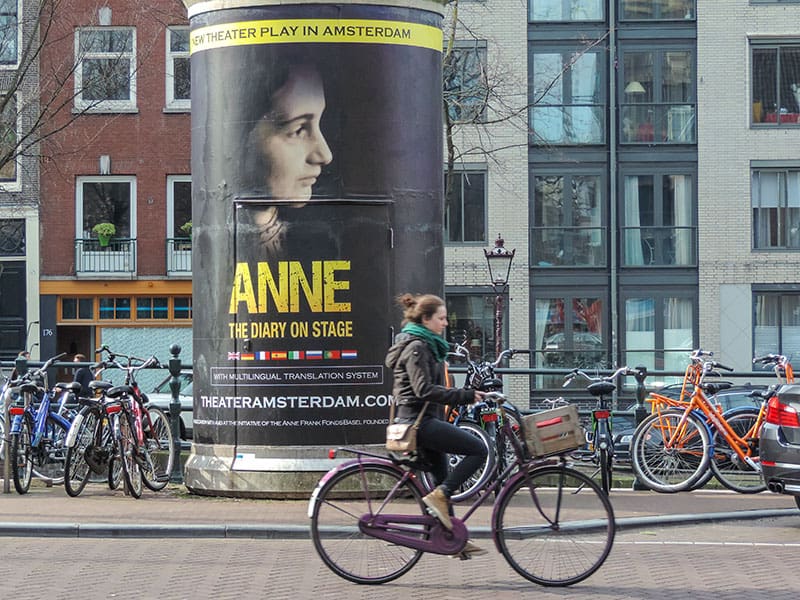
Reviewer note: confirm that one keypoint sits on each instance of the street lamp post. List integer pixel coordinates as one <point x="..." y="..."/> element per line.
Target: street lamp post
<point x="499" y="261"/>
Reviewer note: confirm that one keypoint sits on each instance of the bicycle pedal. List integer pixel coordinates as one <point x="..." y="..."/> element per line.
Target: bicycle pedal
<point x="162" y="477"/>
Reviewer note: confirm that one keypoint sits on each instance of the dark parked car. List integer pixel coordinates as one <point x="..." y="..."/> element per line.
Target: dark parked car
<point x="732" y="397"/>
<point x="779" y="442"/>
<point x="161" y="396"/>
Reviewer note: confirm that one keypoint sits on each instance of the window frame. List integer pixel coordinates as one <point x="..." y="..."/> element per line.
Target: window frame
<point x="104" y="106"/>
<point x="79" y="201"/>
<point x="662" y="109"/>
<point x="464" y="172"/>
<point x="656" y="8"/>
<point x="755" y="44"/>
<point x="15" y="184"/>
<point x="8" y="65"/>
<point x="659" y="296"/>
<point x="565" y="9"/>
<point x="487" y="339"/>
<point x="602" y="202"/>
<point x="658" y="176"/>
<point x="172" y="103"/>
<point x="779" y="292"/>
<point x="462" y="47"/>
<point x="171" y="181"/>
<point x="599" y="108"/>
<point x="790" y="167"/>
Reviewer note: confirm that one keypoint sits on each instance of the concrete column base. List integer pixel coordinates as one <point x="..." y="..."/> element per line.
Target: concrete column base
<point x="276" y="472"/>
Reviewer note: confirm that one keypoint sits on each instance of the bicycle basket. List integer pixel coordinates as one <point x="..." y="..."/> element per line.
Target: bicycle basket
<point x="553" y="431"/>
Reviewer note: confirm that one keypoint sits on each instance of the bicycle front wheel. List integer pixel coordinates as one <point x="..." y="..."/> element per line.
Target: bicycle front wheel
<point x="337" y="506"/>
<point x="86" y="436"/>
<point x="554" y="526"/>
<point x="731" y="471"/>
<point x="668" y="456"/>
<point x="159" y="450"/>
<point x="22" y="455"/>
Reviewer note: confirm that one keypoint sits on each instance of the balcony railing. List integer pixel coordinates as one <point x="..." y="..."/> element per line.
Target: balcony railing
<point x="118" y="257"/>
<point x="179" y="256"/>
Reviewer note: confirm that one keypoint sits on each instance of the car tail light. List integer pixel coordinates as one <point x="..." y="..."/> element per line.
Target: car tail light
<point x="781" y="414"/>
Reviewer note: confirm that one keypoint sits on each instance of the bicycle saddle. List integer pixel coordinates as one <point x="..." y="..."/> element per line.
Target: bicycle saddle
<point x="414" y="460"/>
<point x="601" y="388"/>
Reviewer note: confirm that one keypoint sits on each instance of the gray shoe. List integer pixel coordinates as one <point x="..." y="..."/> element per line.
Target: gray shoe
<point x="439" y="506"/>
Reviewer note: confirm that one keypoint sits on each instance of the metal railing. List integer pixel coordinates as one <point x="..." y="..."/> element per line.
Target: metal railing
<point x="118" y="256"/>
<point x="179" y="256"/>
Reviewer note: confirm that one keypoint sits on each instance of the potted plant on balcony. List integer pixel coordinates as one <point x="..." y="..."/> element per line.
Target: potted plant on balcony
<point x="187" y="228"/>
<point x="104" y="232"/>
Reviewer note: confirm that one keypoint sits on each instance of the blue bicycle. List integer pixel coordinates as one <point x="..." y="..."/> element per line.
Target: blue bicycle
<point x="39" y="427"/>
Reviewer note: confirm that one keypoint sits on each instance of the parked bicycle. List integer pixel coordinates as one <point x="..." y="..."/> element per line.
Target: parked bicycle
<point x="601" y="435"/>
<point x="39" y="427"/>
<point x="682" y="439"/>
<point x="143" y="434"/>
<point x="92" y="448"/>
<point x="552" y="524"/>
<point x="483" y="419"/>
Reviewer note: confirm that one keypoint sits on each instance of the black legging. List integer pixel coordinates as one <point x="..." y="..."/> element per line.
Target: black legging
<point x="440" y="438"/>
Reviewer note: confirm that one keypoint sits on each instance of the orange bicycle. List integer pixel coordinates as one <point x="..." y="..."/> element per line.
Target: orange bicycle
<point x="674" y="448"/>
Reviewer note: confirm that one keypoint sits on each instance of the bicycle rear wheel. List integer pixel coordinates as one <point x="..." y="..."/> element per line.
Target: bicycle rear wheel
<point x="478" y="479"/>
<point x="554" y="526"/>
<point x="336" y="507"/>
<point x="729" y="470"/>
<point x="670" y="468"/>
<point x="86" y="436"/>
<point x="22" y="455"/>
<point x="131" y="471"/>
<point x="50" y="458"/>
<point x="159" y="447"/>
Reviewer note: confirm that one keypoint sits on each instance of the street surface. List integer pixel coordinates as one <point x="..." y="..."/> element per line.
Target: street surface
<point x="728" y="549"/>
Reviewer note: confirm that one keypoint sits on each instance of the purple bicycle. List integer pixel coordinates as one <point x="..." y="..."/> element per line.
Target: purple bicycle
<point x="552" y="523"/>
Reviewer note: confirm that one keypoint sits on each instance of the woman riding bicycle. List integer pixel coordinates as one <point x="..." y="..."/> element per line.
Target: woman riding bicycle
<point x="417" y="361"/>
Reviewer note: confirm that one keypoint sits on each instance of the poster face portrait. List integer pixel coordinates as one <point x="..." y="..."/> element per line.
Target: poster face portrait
<point x="289" y="136"/>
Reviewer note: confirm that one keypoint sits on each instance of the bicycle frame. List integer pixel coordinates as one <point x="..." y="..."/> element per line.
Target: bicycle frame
<point x="404" y="529"/>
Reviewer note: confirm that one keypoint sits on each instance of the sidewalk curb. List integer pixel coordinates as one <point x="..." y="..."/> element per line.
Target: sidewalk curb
<point x="288" y="532"/>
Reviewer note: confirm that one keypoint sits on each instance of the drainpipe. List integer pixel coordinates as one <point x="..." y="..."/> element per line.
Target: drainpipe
<point x="612" y="173"/>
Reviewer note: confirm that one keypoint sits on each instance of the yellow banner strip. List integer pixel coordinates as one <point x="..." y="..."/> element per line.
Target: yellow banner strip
<point x="288" y="31"/>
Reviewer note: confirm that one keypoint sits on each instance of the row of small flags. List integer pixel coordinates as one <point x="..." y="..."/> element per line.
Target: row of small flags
<point x="295" y="355"/>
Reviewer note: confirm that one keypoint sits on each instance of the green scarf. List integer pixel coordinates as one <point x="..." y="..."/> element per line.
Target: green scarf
<point x="438" y="344"/>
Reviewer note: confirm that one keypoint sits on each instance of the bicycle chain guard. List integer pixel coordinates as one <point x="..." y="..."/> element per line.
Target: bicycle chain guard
<point x="407" y="530"/>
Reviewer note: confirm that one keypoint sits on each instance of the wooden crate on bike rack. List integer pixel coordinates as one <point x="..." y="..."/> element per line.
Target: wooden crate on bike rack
<point x="553" y="431"/>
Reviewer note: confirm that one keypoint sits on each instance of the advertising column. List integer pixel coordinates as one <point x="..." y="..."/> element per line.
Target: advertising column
<point x="317" y="199"/>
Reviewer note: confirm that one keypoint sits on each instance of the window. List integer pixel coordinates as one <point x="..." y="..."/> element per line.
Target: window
<point x="657" y="104"/>
<point x="465" y="84"/>
<point x="8" y="139"/>
<point x="105" y="76"/>
<point x="775" y="197"/>
<point x="179" y="206"/>
<point x="659" y="329"/>
<point x="182" y="307"/>
<point x="179" y="84"/>
<point x="657" y="9"/>
<point x="470" y="318"/>
<point x="567" y="221"/>
<point x="658" y="220"/>
<point x="152" y="308"/>
<point x="106" y="200"/>
<point x="12" y="237"/>
<point x="565" y="10"/>
<point x="568" y="333"/>
<point x="115" y="308"/>
<point x="776" y="84"/>
<point x="776" y="324"/>
<point x="77" y="309"/>
<point x="465" y="207"/>
<point x="9" y="32"/>
<point x="568" y="97"/>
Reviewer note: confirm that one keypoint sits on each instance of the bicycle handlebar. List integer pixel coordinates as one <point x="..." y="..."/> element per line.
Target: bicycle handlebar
<point x="621" y="371"/>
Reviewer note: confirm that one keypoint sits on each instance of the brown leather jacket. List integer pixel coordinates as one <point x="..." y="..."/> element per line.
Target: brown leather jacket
<point x="419" y="378"/>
